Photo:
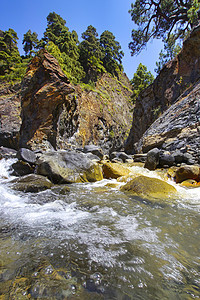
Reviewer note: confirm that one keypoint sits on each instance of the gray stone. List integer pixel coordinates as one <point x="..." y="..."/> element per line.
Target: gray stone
<point x="26" y="155"/>
<point x="152" y="160"/>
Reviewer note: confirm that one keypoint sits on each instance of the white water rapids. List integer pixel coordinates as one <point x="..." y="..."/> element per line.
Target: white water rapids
<point x="141" y="249"/>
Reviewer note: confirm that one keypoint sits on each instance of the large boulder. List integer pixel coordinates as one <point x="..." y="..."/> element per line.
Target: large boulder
<point x="174" y="79"/>
<point x="68" y="167"/>
<point x="149" y="187"/>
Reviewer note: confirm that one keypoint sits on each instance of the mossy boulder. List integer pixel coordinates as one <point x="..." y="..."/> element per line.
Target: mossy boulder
<point x="31" y="183"/>
<point x="149" y="187"/>
<point x="187" y="172"/>
<point x="114" y="170"/>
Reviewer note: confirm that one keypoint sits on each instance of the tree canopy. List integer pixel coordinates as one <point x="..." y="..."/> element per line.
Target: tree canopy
<point x="141" y="80"/>
<point x="161" y="18"/>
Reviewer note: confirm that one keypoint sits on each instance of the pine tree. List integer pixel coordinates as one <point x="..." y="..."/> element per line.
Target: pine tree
<point x="90" y="54"/>
<point x="30" y="42"/>
<point x="67" y="43"/>
<point x="10" y="59"/>
<point x="112" y="53"/>
<point x="141" y="80"/>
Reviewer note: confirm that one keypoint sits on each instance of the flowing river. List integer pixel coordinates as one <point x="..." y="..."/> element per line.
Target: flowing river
<point x="98" y="243"/>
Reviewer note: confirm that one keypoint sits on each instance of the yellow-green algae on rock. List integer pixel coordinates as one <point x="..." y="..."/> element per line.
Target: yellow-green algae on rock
<point x="149" y="187"/>
<point x="114" y="170"/>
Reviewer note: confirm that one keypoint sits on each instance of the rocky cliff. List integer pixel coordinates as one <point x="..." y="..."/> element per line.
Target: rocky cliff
<point x="178" y="128"/>
<point x="98" y="115"/>
<point x="55" y="114"/>
<point x="176" y="77"/>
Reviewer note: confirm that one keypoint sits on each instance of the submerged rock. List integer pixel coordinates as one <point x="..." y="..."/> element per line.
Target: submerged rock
<point x="68" y="167"/>
<point x="31" y="183"/>
<point x="149" y="187"/>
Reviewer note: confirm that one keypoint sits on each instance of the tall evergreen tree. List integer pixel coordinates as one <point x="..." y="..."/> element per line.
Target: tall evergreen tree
<point x="112" y="53"/>
<point x="141" y="79"/>
<point x="67" y="43"/>
<point x="9" y="53"/>
<point x="30" y="42"/>
<point x="90" y="54"/>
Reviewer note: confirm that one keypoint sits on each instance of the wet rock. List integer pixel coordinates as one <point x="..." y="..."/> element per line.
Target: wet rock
<point x="21" y="168"/>
<point x="178" y="156"/>
<point x="187" y="172"/>
<point x="61" y="189"/>
<point x="31" y="183"/>
<point x="140" y="157"/>
<point x="190" y="183"/>
<point x="7" y="152"/>
<point x="188" y="158"/>
<point x="149" y="187"/>
<point x="114" y="170"/>
<point x="166" y="159"/>
<point x="94" y="150"/>
<point x="120" y="157"/>
<point x="152" y="160"/>
<point x="68" y="167"/>
<point x="26" y="155"/>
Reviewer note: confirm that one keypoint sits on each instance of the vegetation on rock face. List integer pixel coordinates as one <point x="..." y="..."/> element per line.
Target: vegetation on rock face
<point x="141" y="79"/>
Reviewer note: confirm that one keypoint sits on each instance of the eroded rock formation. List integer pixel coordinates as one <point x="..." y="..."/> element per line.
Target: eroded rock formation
<point x="44" y="91"/>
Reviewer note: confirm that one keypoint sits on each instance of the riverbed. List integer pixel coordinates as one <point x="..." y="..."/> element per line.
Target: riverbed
<point x="97" y="242"/>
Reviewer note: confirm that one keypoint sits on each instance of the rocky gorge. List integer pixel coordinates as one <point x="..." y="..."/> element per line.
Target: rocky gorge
<point x="91" y="207"/>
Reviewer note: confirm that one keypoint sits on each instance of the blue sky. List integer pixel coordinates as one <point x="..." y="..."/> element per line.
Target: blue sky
<point x="109" y="15"/>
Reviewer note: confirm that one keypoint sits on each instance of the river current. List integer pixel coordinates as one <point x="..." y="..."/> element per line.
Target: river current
<point x="98" y="243"/>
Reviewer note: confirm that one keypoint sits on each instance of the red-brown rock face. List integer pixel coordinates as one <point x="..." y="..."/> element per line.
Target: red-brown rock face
<point x="44" y="91"/>
<point x="175" y="78"/>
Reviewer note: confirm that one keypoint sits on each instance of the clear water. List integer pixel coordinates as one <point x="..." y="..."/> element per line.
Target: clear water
<point x="98" y="243"/>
